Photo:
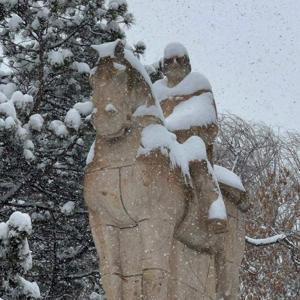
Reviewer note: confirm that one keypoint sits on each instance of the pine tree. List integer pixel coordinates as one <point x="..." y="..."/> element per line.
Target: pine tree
<point x="45" y="130"/>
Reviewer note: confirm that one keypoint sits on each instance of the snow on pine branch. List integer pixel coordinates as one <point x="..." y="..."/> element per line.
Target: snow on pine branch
<point x="16" y="259"/>
<point x="14" y="105"/>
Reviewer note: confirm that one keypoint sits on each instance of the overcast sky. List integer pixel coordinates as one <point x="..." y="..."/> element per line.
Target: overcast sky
<point x="248" y="49"/>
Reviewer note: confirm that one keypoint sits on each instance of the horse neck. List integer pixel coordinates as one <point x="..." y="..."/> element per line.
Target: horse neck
<point x="128" y="92"/>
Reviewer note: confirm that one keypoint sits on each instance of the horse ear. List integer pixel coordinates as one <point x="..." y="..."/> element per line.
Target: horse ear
<point x="119" y="49"/>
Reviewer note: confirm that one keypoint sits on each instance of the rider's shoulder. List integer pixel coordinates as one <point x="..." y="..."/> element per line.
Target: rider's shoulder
<point x="197" y="81"/>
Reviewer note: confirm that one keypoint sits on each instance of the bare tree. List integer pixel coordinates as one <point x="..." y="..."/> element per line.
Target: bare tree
<point x="268" y="163"/>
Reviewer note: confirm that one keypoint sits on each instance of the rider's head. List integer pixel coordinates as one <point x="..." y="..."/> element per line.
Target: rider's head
<point x="176" y="62"/>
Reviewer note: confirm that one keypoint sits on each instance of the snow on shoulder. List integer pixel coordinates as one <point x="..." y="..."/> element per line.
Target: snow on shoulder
<point x="175" y="50"/>
<point x="228" y="177"/>
<point x="157" y="137"/>
<point x="191" y="84"/>
<point x="217" y="209"/>
<point x="197" y="111"/>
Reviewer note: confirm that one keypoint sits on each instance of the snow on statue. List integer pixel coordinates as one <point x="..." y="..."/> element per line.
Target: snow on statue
<point x="189" y="109"/>
<point x="145" y="189"/>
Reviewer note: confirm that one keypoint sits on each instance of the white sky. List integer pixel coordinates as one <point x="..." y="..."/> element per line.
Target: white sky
<point x="248" y="49"/>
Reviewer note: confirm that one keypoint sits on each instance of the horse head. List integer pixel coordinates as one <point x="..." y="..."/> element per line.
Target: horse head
<point x="120" y="85"/>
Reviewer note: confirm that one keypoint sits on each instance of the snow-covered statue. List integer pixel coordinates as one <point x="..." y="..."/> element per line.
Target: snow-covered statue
<point x="189" y="109"/>
<point x="138" y="189"/>
<point x="186" y="98"/>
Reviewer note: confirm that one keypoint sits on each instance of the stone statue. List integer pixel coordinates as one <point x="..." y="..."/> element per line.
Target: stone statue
<point x="137" y="203"/>
<point x="180" y="85"/>
<point x="189" y="109"/>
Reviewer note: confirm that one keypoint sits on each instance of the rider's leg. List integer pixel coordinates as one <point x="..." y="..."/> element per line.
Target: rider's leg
<point x="207" y="191"/>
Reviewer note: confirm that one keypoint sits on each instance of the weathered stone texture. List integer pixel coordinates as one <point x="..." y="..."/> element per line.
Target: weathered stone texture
<point x="151" y="230"/>
<point x="192" y="275"/>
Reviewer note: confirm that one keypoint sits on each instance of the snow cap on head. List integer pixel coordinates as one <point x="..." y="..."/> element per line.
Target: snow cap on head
<point x="175" y="49"/>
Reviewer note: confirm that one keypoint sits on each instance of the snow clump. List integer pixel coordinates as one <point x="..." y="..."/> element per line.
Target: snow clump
<point x="58" y="57"/>
<point x="36" y="122"/>
<point x="68" y="208"/>
<point x="73" y="119"/>
<point x="58" y="128"/>
<point x="20" y="222"/>
<point x="157" y="137"/>
<point x="175" y="50"/>
<point x="84" y="108"/>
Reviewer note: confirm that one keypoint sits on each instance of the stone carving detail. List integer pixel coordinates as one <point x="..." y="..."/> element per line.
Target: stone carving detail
<point x="156" y="210"/>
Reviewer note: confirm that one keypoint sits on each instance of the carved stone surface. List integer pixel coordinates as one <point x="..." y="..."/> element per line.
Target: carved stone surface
<point x="152" y="230"/>
<point x="192" y="274"/>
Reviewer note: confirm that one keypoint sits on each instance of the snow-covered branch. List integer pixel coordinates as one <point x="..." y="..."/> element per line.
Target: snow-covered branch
<point x="266" y="241"/>
<point x="16" y="259"/>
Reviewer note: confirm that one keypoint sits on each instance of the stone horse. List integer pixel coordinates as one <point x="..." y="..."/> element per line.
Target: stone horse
<point x="124" y="191"/>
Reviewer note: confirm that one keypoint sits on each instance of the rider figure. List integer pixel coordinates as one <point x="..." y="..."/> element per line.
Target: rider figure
<point x="187" y="99"/>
